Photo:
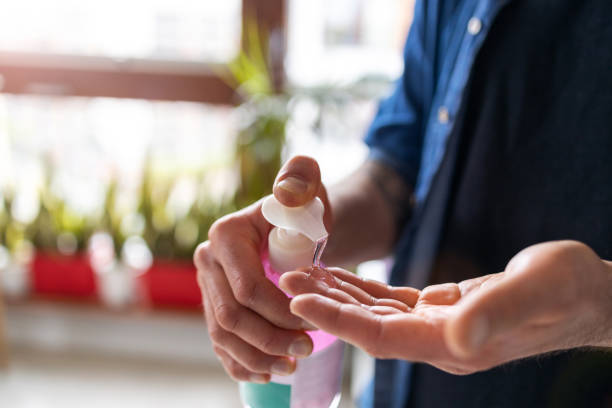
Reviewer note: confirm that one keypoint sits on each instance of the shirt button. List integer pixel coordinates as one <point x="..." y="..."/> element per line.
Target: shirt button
<point x="474" y="26"/>
<point x="443" y="115"/>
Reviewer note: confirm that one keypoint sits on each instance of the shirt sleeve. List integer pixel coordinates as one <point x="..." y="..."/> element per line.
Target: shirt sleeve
<point x="395" y="136"/>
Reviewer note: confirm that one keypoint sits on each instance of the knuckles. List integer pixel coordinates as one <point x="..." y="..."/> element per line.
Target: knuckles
<point x="251" y="361"/>
<point x="233" y="369"/>
<point x="227" y="315"/>
<point x="224" y="227"/>
<point x="236" y="371"/>
<point x="244" y="291"/>
<point x="227" y="319"/>
<point x="254" y="362"/>
<point x="216" y="333"/>
<point x="266" y="343"/>
<point x="220" y="233"/>
<point x="202" y="259"/>
<point x="219" y="352"/>
<point x="202" y="255"/>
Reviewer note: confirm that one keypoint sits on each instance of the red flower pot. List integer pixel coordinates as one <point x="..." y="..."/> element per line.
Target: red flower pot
<point x="68" y="275"/>
<point x="172" y="283"/>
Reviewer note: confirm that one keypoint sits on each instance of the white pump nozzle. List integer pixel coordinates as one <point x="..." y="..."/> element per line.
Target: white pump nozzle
<point x="307" y="219"/>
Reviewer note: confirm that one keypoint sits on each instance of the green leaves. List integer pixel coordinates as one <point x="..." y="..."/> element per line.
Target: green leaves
<point x="248" y="72"/>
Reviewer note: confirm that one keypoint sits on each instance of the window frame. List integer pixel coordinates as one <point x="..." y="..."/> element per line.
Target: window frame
<point x="92" y="76"/>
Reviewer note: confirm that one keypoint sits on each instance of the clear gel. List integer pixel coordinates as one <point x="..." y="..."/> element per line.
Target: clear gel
<point x="319" y="248"/>
<point x="317" y="271"/>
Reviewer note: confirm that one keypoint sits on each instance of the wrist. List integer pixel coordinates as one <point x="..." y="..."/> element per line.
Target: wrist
<point x="362" y="227"/>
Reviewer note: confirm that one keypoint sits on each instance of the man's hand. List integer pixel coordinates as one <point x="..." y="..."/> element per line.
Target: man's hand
<point x="552" y="296"/>
<point x="248" y="318"/>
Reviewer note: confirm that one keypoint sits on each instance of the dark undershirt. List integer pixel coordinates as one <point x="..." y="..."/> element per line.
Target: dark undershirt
<point x="534" y="164"/>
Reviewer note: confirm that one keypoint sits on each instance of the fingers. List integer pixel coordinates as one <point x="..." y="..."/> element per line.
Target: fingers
<point x="248" y="325"/>
<point x="236" y="249"/>
<point x="235" y="370"/>
<point x="350" y="322"/>
<point x="298" y="181"/>
<point x="300" y="282"/>
<point x="406" y="295"/>
<point x="470" y="285"/>
<point x="248" y="356"/>
<point x="242" y="361"/>
<point x="443" y="294"/>
<point x="381" y="335"/>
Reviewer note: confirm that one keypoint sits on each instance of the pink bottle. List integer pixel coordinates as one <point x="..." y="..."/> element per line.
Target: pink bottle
<point x="317" y="381"/>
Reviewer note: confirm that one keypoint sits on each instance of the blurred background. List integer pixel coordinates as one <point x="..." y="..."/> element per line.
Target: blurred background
<point x="126" y="129"/>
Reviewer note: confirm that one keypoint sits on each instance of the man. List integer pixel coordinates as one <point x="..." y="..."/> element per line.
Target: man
<point x="490" y="166"/>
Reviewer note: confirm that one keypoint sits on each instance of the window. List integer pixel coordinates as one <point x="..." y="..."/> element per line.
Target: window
<point x="97" y="95"/>
<point x="158" y="49"/>
<point x="95" y="86"/>
<point x="113" y="117"/>
<point x="149" y="29"/>
<point x="342" y="40"/>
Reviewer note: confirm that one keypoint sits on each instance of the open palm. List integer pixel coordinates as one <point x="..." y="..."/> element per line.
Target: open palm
<point x="538" y="304"/>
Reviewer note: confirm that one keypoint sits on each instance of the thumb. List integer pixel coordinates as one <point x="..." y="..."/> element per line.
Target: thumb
<point x="298" y="182"/>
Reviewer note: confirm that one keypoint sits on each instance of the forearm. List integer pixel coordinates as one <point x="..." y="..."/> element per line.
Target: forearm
<point x="369" y="207"/>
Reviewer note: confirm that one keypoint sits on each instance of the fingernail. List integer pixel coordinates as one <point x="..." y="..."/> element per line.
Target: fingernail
<point x="258" y="378"/>
<point x="479" y="332"/>
<point x="300" y="348"/>
<point x="281" y="367"/>
<point x="293" y="185"/>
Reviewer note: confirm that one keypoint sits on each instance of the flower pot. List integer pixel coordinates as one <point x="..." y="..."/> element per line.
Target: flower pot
<point x="15" y="280"/>
<point x="118" y="286"/>
<point x="172" y="283"/>
<point x="66" y="275"/>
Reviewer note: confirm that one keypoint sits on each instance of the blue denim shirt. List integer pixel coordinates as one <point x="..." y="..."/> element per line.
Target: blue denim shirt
<point x="412" y="125"/>
<point x="411" y="128"/>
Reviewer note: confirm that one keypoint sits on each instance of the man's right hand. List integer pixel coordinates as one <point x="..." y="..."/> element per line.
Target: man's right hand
<point x="249" y="322"/>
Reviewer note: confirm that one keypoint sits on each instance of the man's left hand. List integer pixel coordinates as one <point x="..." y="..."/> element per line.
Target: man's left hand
<point x="551" y="296"/>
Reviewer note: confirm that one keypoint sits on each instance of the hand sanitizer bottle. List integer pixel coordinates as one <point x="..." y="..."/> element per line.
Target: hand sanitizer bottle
<point x="297" y="240"/>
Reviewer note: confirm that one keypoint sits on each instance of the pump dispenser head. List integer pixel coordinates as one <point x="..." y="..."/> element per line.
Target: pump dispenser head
<point x="292" y="243"/>
<point x="306" y="220"/>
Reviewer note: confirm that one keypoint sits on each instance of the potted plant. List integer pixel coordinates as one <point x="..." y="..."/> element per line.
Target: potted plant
<point x="60" y="265"/>
<point x="170" y="280"/>
<point x="15" y="251"/>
